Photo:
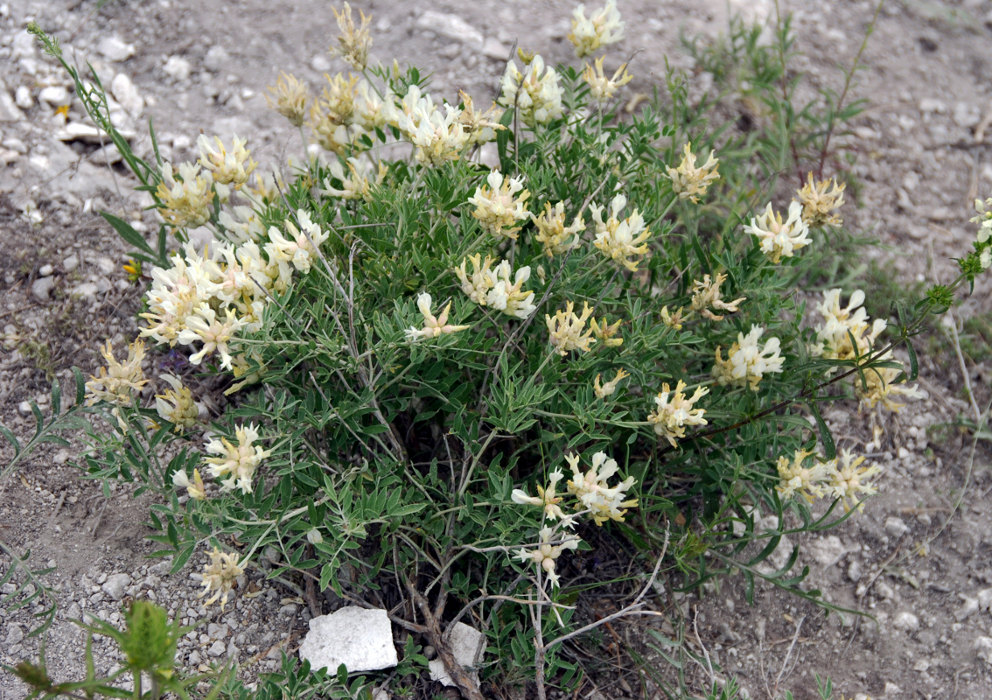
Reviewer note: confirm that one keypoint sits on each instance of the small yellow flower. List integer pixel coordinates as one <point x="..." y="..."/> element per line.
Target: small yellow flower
<point x="499" y="206"/>
<point x="546" y="499"/>
<point x="606" y="333"/>
<point x="881" y="386"/>
<point x="842" y="323"/>
<point x="477" y="283"/>
<point x="481" y="127"/>
<point x="568" y="331"/>
<point x="594" y="492"/>
<point x="602" y="28"/>
<point x="176" y="405"/>
<point x="133" y="269"/>
<point x="602" y="88"/>
<point x="620" y="240"/>
<point x="220" y="576"/>
<point x="535" y="94"/>
<point x="553" y="234"/>
<point x="185" y="201"/>
<point x="608" y="389"/>
<point x="289" y="97"/>
<point x="674" y="411"/>
<point x="353" y="43"/>
<point x="195" y="488"/>
<point x="690" y="181"/>
<point x="118" y="382"/>
<point x="706" y="296"/>
<point x="238" y="462"/>
<point x="820" y="201"/>
<point x="847" y="480"/>
<point x="227" y="167"/>
<point x="776" y="238"/>
<point x="673" y="319"/>
<point x="795" y="477"/>
<point x="747" y="361"/>
<point x="433" y="327"/>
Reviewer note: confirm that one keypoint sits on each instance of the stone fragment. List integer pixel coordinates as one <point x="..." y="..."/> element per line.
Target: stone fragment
<point x="215" y="59"/>
<point x="78" y="131"/>
<point x="115" y="585"/>
<point x="360" y="639"/>
<point x="42" y="287"/>
<point x="827" y="551"/>
<point x="906" y="621"/>
<point x="450" y="26"/>
<point x="45" y="270"/>
<point x="968" y="608"/>
<point x="467" y="646"/>
<point x="983" y="648"/>
<point x="985" y="599"/>
<point x="9" y="111"/>
<point x="177" y="68"/>
<point x="22" y="97"/>
<point x="127" y="95"/>
<point x="70" y="263"/>
<point x="895" y="526"/>
<point x="55" y="95"/>
<point x="115" y="49"/>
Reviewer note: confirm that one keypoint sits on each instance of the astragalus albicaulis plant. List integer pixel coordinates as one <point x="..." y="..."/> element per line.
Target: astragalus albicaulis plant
<point x="490" y="364"/>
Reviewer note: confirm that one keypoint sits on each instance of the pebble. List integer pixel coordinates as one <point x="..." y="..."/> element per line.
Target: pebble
<point x="22" y="97"/>
<point x="828" y="551"/>
<point x="985" y="599"/>
<point x="983" y="645"/>
<point x="14" y="635"/>
<point x="218" y="648"/>
<point x="126" y="94"/>
<point x="46" y="270"/>
<point x="177" y="68"/>
<point x="115" y="586"/>
<point x="215" y="59"/>
<point x="906" y="621"/>
<point x="895" y="526"/>
<point x="115" y="49"/>
<point x="320" y="63"/>
<point x="86" y="290"/>
<point x="967" y="609"/>
<point x="55" y="95"/>
<point x="215" y="631"/>
<point x="42" y="287"/>
<point x="854" y="570"/>
<point x="9" y="112"/>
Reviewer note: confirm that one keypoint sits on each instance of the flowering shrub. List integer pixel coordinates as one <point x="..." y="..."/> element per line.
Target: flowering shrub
<point x="388" y="454"/>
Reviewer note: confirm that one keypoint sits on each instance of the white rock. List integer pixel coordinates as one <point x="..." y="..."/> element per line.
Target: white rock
<point x="24" y="45"/>
<point x="218" y="648"/>
<point x="827" y="551"/>
<point x="86" y="290"/>
<point x="930" y="104"/>
<point x="360" y="639"/>
<point x="467" y="646"/>
<point x="983" y="646"/>
<point x="906" y="621"/>
<point x="985" y="599"/>
<point x="9" y="111"/>
<point x="895" y="526"/>
<point x="177" y="68"/>
<point x="42" y="287"/>
<point x="55" y="95"/>
<point x="22" y="97"/>
<point x="967" y="609"/>
<point x="70" y="263"/>
<point x="127" y="95"/>
<point x="320" y="63"/>
<point x="494" y="48"/>
<point x="46" y="270"/>
<point x="15" y="144"/>
<point x="215" y="58"/>
<point x="115" y="49"/>
<point x="854" y="570"/>
<point x="77" y="131"/>
<point x="451" y="26"/>
<point x="115" y="586"/>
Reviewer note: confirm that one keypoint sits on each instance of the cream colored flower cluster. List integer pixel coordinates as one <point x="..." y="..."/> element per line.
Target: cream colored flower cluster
<point x="347" y="109"/>
<point x="236" y="464"/>
<point x="359" y="180"/>
<point x="778" y="239"/>
<point x="674" y="411"/>
<point x="983" y="241"/>
<point x="501" y="205"/>
<point x="594" y="496"/>
<point x="603" y="27"/>
<point x="691" y="181"/>
<point x="820" y="201"/>
<point x="601" y="88"/>
<point x="534" y="93"/>
<point x="748" y="361"/>
<point x="220" y="576"/>
<point x="553" y="234"/>
<point x="567" y="330"/>
<point x="118" y="383"/>
<point x="433" y="326"/>
<point x="840" y="478"/>
<point x="498" y="287"/>
<point x="210" y="298"/>
<point x="622" y="240"/>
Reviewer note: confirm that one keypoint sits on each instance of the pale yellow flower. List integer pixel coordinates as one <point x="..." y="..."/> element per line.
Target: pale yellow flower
<point x="359" y="180"/>
<point x="848" y="480"/>
<point x="438" y="136"/>
<point x="602" y="88"/>
<point x="606" y="333"/>
<point x="547" y="551"/>
<point x="480" y="281"/>
<point x="501" y="205"/>
<point x="547" y="499"/>
<point x="803" y="476"/>
<point x="674" y="411"/>
<point x="118" y="382"/>
<point x="195" y="488"/>
<point x="706" y="296"/>
<point x="535" y="94"/>
<point x="568" y="331"/>
<point x="509" y="296"/>
<point x="608" y="389"/>
<point x="553" y="234"/>
<point x="433" y="327"/>
<point x="353" y="43"/>
<point x="215" y="333"/>
<point x="220" y="576"/>
<point x="289" y="97"/>
<point x="747" y="361"/>
<point x="176" y="405"/>
<point x="820" y="201"/>
<point x="228" y="167"/>
<point x="604" y="502"/>
<point x="237" y="462"/>
<point x="186" y="200"/>
<point x="691" y="181"/>
<point x="882" y="386"/>
<point x="673" y="319"/>
<point x="603" y="27"/>
<point x="776" y="238"/>
<point x="481" y="127"/>
<point x="842" y="323"/>
<point x="620" y="240"/>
